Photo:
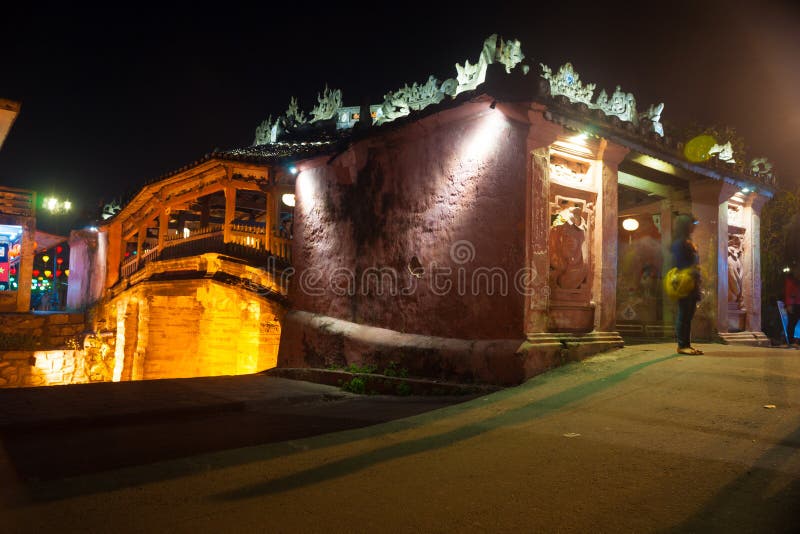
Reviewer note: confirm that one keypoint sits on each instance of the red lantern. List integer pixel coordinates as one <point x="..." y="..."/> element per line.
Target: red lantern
<point x="13" y="270"/>
<point x="36" y="272"/>
<point x="58" y="273"/>
<point x="59" y="249"/>
<point x="60" y="261"/>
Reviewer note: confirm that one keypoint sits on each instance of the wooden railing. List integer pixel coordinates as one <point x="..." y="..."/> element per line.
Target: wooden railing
<point x="282" y="248"/>
<point x="248" y="235"/>
<point x="247" y="242"/>
<point x="20" y="202"/>
<point x="137" y="262"/>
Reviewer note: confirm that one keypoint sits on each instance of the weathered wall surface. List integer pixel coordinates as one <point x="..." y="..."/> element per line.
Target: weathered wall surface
<point x="448" y="190"/>
<point x="186" y="328"/>
<point x="44" y="331"/>
<point x="87" y="267"/>
<point x="53" y="367"/>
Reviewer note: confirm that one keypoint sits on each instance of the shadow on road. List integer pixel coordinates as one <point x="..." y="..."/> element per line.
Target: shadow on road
<point x="512" y="417"/>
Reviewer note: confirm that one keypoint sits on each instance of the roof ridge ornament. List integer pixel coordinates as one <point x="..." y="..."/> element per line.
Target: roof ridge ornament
<point x="653" y="114"/>
<point x="294" y="114"/>
<point x="621" y="104"/>
<point x="266" y="132"/>
<point x="328" y="104"/>
<point x="568" y="83"/>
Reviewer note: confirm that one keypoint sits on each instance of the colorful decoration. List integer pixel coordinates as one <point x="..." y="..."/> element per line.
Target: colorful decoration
<point x="36" y="272"/>
<point x="59" y="249"/>
<point x="59" y="260"/>
<point x="45" y="258"/>
<point x="48" y="273"/>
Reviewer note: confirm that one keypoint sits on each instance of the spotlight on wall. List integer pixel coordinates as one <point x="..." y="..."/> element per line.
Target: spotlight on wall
<point x="630" y="224"/>
<point x="288" y="199"/>
<point x="786" y="269"/>
<point x="293" y="169"/>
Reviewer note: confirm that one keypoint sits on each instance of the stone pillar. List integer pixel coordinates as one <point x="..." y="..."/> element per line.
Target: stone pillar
<point x="541" y="135"/>
<point x="25" y="273"/>
<point x="606" y="239"/>
<point x="230" y="212"/>
<point x="710" y="207"/>
<point x="751" y="290"/>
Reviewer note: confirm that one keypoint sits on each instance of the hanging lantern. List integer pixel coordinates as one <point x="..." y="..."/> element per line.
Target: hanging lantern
<point x="45" y="258"/>
<point x="14" y="252"/>
<point x="36" y="272"/>
<point x="47" y="274"/>
<point x="40" y="278"/>
<point x="59" y="249"/>
<point x="58" y="272"/>
<point x="13" y="270"/>
<point x="66" y="271"/>
<point x="60" y="261"/>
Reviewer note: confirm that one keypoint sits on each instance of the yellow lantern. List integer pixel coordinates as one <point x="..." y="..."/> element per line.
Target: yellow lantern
<point x="697" y="149"/>
<point x="47" y="274"/>
<point x="66" y="271"/>
<point x="45" y="258"/>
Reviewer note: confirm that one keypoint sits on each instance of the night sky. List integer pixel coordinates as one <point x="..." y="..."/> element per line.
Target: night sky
<point x="113" y="98"/>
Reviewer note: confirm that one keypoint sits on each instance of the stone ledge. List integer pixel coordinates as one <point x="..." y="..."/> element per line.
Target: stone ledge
<point x="754" y="339"/>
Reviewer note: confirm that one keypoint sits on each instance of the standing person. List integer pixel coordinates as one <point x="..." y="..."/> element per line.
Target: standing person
<point x="684" y="254"/>
<point x="791" y="298"/>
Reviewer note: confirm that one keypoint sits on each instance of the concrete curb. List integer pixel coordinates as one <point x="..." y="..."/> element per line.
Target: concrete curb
<point x="381" y="384"/>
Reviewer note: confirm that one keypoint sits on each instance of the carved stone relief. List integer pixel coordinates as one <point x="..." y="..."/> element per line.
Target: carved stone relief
<point x="735" y="270"/>
<point x="566" y="171"/>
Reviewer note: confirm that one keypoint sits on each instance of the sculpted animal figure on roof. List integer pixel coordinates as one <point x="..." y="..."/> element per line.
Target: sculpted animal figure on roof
<point x="328" y="104"/>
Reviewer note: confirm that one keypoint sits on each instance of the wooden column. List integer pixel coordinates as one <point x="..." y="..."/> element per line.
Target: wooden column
<point x="163" y="227"/>
<point x="25" y="272"/>
<point x="140" y="236"/>
<point x="230" y="211"/>
<point x="269" y="220"/>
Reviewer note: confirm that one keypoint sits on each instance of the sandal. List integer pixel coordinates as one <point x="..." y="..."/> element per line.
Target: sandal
<point x="690" y="351"/>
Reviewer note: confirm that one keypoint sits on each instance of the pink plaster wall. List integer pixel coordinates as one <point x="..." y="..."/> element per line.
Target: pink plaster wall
<point x="457" y="175"/>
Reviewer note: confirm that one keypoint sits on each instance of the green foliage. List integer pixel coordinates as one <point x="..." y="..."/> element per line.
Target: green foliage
<point x="19" y="342"/>
<point x="780" y="247"/>
<point x="392" y="369"/>
<point x="403" y="389"/>
<point x="356" y="385"/>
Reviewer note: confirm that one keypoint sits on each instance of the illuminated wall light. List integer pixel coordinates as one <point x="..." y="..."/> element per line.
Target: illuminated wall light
<point x="630" y="224"/>
<point x="293" y="169"/>
<point x="186" y="233"/>
<point x="786" y="269"/>
<point x="288" y="199"/>
<point x="579" y="138"/>
<point x="745" y="190"/>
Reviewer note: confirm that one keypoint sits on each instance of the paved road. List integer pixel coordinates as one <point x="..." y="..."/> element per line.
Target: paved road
<point x="640" y="440"/>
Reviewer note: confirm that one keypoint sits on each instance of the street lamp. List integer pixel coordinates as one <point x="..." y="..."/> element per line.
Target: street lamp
<point x="56" y="207"/>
